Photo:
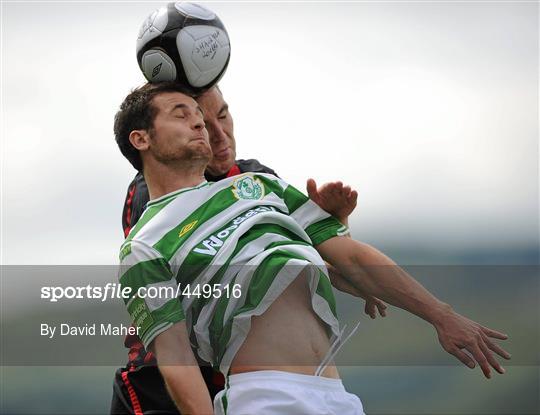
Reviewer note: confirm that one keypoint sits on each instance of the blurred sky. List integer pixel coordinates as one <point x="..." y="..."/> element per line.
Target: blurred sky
<point x="429" y="109"/>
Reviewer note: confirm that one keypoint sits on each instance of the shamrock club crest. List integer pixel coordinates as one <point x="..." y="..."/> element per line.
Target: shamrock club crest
<point x="247" y="187"/>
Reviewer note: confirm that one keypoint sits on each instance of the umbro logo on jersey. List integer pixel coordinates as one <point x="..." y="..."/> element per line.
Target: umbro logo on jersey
<point x="246" y="187"/>
<point x="187" y="228"/>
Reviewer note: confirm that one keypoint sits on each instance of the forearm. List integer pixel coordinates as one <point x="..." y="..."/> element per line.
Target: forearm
<point x="384" y="279"/>
<point x="341" y="283"/>
<point x="376" y="275"/>
<point x="379" y="276"/>
<point x="187" y="388"/>
<point x="181" y="372"/>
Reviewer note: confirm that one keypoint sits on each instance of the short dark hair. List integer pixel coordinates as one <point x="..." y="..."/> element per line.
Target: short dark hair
<point x="138" y="113"/>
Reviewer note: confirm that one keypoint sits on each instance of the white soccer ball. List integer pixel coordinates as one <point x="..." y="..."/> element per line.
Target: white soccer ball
<point x="185" y="42"/>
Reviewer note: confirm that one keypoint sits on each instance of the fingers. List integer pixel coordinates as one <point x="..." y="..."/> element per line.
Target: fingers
<point x="490" y="358"/>
<point x="382" y="308"/>
<point x="494" y="333"/>
<point x="480" y="358"/>
<point x="497" y="349"/>
<point x="373" y="305"/>
<point x="335" y="188"/>
<point x="481" y="353"/>
<point x="462" y="357"/>
<point x="338" y="190"/>
<point x="311" y="188"/>
<point x="353" y="197"/>
<point x="370" y="309"/>
<point x="459" y="332"/>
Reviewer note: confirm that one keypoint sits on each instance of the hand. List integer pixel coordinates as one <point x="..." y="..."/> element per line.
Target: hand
<point x="336" y="199"/>
<point x="372" y="305"/>
<point x="457" y="332"/>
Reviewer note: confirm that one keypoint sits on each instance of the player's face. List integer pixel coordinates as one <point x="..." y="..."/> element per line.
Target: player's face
<point x="220" y="131"/>
<point x="178" y="132"/>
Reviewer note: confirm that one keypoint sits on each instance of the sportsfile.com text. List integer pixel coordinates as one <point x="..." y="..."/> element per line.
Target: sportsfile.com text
<point x="116" y="291"/>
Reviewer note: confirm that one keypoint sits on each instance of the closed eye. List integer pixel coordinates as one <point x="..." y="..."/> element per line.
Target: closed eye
<point x="223" y="112"/>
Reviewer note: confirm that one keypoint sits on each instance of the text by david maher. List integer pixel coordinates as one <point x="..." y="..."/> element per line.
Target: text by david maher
<point x="93" y="329"/>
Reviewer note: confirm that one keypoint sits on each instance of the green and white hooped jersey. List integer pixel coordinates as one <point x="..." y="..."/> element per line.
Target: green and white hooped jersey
<point x="252" y="231"/>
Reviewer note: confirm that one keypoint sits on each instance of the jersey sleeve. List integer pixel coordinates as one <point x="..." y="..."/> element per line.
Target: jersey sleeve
<point x="135" y="202"/>
<point x="317" y="223"/>
<point x="152" y="302"/>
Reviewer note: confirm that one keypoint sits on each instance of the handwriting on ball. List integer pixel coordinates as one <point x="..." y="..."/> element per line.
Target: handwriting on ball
<point x="207" y="47"/>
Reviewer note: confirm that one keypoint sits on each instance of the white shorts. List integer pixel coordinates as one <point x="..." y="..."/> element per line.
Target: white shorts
<point x="271" y="392"/>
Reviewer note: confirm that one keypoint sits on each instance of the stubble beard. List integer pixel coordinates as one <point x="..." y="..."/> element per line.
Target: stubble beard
<point x="187" y="158"/>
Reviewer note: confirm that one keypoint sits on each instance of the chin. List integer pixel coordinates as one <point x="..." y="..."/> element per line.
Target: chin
<point x="196" y="153"/>
<point x="203" y="149"/>
<point x="221" y="167"/>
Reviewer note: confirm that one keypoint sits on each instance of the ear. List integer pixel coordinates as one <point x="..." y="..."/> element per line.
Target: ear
<point x="140" y="139"/>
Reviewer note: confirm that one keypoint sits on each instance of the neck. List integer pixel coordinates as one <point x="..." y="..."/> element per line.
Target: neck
<point x="162" y="179"/>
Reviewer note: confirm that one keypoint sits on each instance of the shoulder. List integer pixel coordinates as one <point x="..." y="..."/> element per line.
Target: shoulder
<point x="134" y="203"/>
<point x="168" y="214"/>
<point x="137" y="187"/>
<point x="253" y="165"/>
<point x="150" y="223"/>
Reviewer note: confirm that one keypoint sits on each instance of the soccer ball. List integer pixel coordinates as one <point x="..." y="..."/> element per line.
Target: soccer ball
<point x="185" y="42"/>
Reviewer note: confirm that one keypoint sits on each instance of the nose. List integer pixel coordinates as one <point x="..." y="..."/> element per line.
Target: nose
<point x="198" y="124"/>
<point x="216" y="133"/>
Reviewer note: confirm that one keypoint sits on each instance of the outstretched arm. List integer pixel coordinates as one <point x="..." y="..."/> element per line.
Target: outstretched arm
<point x="181" y="371"/>
<point x="387" y="281"/>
